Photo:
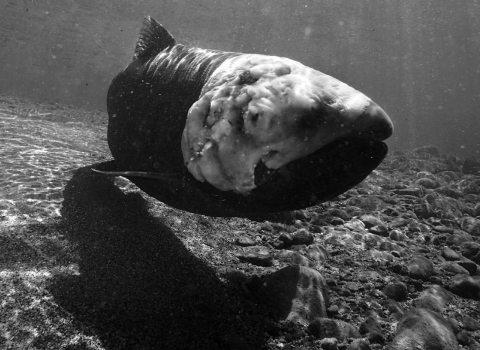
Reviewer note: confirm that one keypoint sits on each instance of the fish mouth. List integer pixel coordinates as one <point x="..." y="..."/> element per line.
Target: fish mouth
<point x="329" y="171"/>
<point x="321" y="176"/>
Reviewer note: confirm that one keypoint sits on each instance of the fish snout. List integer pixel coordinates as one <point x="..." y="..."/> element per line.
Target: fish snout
<point x="374" y="123"/>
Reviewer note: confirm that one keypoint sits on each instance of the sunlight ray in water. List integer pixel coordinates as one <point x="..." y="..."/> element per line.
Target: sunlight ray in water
<point x="39" y="156"/>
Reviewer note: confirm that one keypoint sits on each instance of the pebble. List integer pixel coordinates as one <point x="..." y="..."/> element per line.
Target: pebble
<point x="465" y="286"/>
<point x="330" y="328"/>
<point x="470" y="249"/>
<point x="468" y="265"/>
<point x="286" y="238"/>
<point x="470" y="225"/>
<point x="397" y="235"/>
<point x="317" y="253"/>
<point x="411" y="191"/>
<point x="370" y="221"/>
<point x="302" y="236"/>
<point x="450" y="255"/>
<point x="329" y="344"/>
<point x="434" y="298"/>
<point x="396" y="291"/>
<point x="359" y="344"/>
<point x="256" y="255"/>
<point x="339" y="213"/>
<point x="470" y="323"/>
<point x="244" y="241"/>
<point x="463" y="338"/>
<point x="420" y="268"/>
<point x="428" y="183"/>
<point x="458" y="238"/>
<point x="295" y="293"/>
<point x="292" y="258"/>
<point x="423" y="329"/>
<point x="453" y="268"/>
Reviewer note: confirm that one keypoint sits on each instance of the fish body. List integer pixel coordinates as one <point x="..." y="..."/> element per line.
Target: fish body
<point x="230" y="134"/>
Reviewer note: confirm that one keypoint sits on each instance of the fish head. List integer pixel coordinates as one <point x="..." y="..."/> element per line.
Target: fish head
<point x="271" y="129"/>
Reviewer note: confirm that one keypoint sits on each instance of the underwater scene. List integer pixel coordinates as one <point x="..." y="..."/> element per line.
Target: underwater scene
<point x="239" y="175"/>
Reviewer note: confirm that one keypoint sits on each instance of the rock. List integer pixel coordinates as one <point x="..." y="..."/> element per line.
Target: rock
<point x="286" y="238"/>
<point x="474" y="345"/>
<point x="277" y="244"/>
<point x="256" y="255"/>
<point x="371" y="276"/>
<point x="453" y="268"/>
<point x="434" y="298"/>
<point x="465" y="286"/>
<point x="244" y="241"/>
<point x="471" y="250"/>
<point x="359" y="344"/>
<point x="423" y="329"/>
<point x="380" y="230"/>
<point x="371" y="327"/>
<point x="443" y="229"/>
<point x="397" y="235"/>
<point x="470" y="323"/>
<point x="265" y="226"/>
<point x="396" y="291"/>
<point x="337" y="221"/>
<point x="450" y="255"/>
<point x="400" y="222"/>
<point x="370" y="221"/>
<point x="449" y="192"/>
<point x="424" y="210"/>
<point x="300" y="214"/>
<point x="476" y="210"/>
<point x="468" y="265"/>
<point x="317" y="253"/>
<point x="332" y="310"/>
<point x="329" y="344"/>
<point x="302" y="236"/>
<point x="296" y="293"/>
<point x="446" y="208"/>
<point x="456" y="327"/>
<point x="458" y="238"/>
<point x="380" y="255"/>
<point x="427" y="183"/>
<point x="331" y="328"/>
<point x="394" y="308"/>
<point x="470" y="225"/>
<point x="420" y="268"/>
<point x="353" y="286"/>
<point x="470" y="188"/>
<point x="463" y="338"/>
<point x="355" y="225"/>
<point x="339" y="213"/>
<point x="411" y="191"/>
<point x="471" y="166"/>
<point x="292" y="258"/>
<point x="387" y="246"/>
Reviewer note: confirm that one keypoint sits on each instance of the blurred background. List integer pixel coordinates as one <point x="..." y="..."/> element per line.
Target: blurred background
<point x="419" y="60"/>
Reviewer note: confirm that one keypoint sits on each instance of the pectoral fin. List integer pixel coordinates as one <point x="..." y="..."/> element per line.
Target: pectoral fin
<point x="158" y="176"/>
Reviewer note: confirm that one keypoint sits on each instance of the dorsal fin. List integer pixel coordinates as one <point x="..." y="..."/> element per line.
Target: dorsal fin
<point x="153" y="39"/>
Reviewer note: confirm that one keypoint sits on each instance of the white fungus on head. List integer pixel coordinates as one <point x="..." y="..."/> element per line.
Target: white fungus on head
<point x="263" y="108"/>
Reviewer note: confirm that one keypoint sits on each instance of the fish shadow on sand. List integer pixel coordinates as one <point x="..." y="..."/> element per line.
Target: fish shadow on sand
<point x="138" y="286"/>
